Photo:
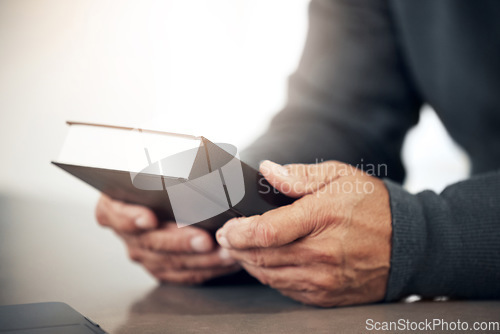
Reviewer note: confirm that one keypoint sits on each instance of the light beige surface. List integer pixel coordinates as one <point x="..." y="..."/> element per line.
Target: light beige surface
<point x="56" y="252"/>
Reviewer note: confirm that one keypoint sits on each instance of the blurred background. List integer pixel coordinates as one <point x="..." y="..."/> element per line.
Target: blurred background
<point x="214" y="68"/>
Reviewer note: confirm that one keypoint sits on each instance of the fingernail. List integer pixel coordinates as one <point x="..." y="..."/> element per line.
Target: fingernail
<point x="143" y="223"/>
<point x="200" y="244"/>
<point x="276" y="168"/>
<point x="224" y="254"/>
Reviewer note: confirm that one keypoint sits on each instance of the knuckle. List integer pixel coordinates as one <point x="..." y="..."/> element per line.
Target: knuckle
<point x="318" y="254"/>
<point x="173" y="262"/>
<point x="118" y="206"/>
<point x="324" y="282"/>
<point x="255" y="258"/>
<point x="298" y="213"/>
<point x="324" y="299"/>
<point x="307" y="214"/>
<point x="167" y="276"/>
<point x="302" y="298"/>
<point x="152" y="242"/>
<point x="101" y="216"/>
<point x="264" y="234"/>
<point x="121" y="226"/>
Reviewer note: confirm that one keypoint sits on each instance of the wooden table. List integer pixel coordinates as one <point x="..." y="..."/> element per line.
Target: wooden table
<point x="53" y="251"/>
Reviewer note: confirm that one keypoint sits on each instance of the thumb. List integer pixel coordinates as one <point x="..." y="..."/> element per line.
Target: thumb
<point x="297" y="180"/>
<point x="274" y="228"/>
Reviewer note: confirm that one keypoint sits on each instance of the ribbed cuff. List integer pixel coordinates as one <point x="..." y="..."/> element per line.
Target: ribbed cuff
<point x="408" y="241"/>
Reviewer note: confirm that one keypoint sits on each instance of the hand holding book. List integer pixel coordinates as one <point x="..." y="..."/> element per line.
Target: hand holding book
<point x="187" y="255"/>
<point x="153" y="182"/>
<point x="181" y="178"/>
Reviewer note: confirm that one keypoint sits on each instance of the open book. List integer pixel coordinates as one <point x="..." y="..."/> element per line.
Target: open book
<point x="182" y="178"/>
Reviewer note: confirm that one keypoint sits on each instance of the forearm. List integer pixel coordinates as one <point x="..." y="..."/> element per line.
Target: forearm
<point x="447" y="244"/>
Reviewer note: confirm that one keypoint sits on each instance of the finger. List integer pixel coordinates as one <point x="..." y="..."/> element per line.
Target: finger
<point x="268" y="257"/>
<point x="155" y="261"/>
<point x="294" y="254"/>
<point x="297" y="180"/>
<point x="123" y="217"/>
<point x="274" y="228"/>
<point x="294" y="278"/>
<point x="170" y="238"/>
<point x="195" y="276"/>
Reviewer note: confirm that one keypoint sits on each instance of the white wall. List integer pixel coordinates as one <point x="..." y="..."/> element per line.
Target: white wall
<point x="214" y="68"/>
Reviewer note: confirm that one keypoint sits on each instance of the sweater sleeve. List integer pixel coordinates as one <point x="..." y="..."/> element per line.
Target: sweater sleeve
<point x="446" y="244"/>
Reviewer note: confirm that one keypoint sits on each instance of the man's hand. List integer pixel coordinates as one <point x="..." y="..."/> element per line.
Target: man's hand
<point x="185" y="255"/>
<point x="330" y="247"/>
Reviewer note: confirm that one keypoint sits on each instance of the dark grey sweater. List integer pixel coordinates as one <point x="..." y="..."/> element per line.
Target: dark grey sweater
<point x="367" y="68"/>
